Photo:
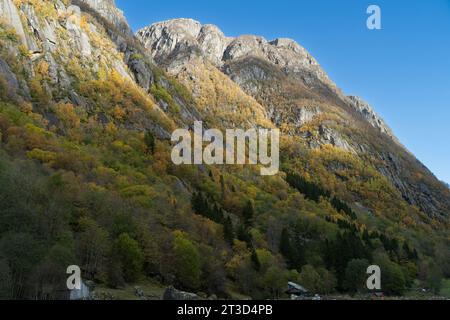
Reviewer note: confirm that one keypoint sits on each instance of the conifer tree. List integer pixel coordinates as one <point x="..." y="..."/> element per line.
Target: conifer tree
<point x="286" y="248"/>
<point x="255" y="260"/>
<point x="248" y="214"/>
<point x="150" y="142"/>
<point x="228" y="231"/>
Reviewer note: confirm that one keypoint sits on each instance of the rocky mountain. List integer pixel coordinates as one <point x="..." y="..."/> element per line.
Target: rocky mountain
<point x="294" y="92"/>
<point x="87" y="109"/>
<point x="169" y="38"/>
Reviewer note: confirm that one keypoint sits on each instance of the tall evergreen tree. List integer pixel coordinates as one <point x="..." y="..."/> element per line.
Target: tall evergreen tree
<point x="150" y="142"/>
<point x="255" y="260"/>
<point x="228" y="231"/>
<point x="287" y="249"/>
<point x="248" y="214"/>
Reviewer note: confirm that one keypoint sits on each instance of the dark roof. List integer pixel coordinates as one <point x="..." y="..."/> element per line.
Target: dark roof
<point x="296" y="288"/>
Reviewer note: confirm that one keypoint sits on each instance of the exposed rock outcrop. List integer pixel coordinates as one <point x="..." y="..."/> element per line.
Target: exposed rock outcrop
<point x="108" y="10"/>
<point x="80" y="38"/>
<point x="173" y="294"/>
<point x="370" y="115"/>
<point x="9" y="77"/>
<point x="294" y="91"/>
<point x="10" y="15"/>
<point x="332" y="137"/>
<point x="168" y="38"/>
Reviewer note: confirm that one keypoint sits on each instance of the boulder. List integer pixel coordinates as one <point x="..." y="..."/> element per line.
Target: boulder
<point x="173" y="294"/>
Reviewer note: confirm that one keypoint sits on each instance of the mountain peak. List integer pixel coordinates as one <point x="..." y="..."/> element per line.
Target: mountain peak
<point x="167" y="38"/>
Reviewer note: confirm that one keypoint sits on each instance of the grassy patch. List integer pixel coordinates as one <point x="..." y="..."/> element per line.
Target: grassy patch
<point x="445" y="291"/>
<point x="152" y="290"/>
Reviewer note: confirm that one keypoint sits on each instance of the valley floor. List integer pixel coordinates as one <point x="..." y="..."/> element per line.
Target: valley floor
<point x="153" y="290"/>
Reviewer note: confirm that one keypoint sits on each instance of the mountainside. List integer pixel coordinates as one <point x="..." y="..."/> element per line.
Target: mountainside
<point x="87" y="110"/>
<point x="294" y="91"/>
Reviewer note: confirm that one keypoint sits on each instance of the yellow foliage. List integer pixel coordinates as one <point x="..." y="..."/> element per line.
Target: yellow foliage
<point x="26" y="108"/>
<point x="220" y="97"/>
<point x="111" y="129"/>
<point x="67" y="115"/>
<point x="42" y="69"/>
<point x="119" y="113"/>
<point x="41" y="155"/>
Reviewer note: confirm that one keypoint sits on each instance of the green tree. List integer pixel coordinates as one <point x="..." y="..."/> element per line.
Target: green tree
<point x="248" y="213"/>
<point x="150" y="142"/>
<point x="274" y="281"/>
<point x="317" y="280"/>
<point x="187" y="262"/>
<point x="21" y="252"/>
<point x="434" y="279"/>
<point x="310" y="279"/>
<point x="6" y="280"/>
<point x="392" y="278"/>
<point x="228" y="231"/>
<point x="329" y="281"/>
<point x="131" y="257"/>
<point x="355" y="275"/>
<point x="255" y="260"/>
<point x="287" y="249"/>
<point x="93" y="248"/>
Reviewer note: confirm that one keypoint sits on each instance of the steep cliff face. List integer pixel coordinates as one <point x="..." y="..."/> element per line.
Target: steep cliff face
<point x="167" y="38"/>
<point x="371" y="116"/>
<point x="10" y="15"/>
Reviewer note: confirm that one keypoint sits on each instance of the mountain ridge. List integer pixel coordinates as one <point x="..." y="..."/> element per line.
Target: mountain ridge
<point x="174" y="43"/>
<point x="164" y="38"/>
<point x="86" y="177"/>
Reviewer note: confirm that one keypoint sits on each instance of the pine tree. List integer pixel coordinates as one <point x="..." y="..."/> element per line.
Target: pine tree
<point x="222" y="186"/>
<point x="286" y="248"/>
<point x="150" y="142"/>
<point x="244" y="235"/>
<point x="255" y="260"/>
<point x="228" y="231"/>
<point x="248" y="214"/>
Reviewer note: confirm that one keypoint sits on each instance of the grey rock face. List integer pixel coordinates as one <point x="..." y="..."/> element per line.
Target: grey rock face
<point x="42" y="31"/>
<point x="80" y="38"/>
<point x="108" y="10"/>
<point x="329" y="136"/>
<point x="417" y="194"/>
<point x="171" y="37"/>
<point x="173" y="294"/>
<point x="144" y="76"/>
<point x="298" y="116"/>
<point x="213" y="43"/>
<point x="9" y="76"/>
<point x="370" y="115"/>
<point x="10" y="14"/>
<point x="245" y="45"/>
<point x="165" y="39"/>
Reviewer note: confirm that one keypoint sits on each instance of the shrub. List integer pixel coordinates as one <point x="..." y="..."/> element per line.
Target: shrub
<point x="187" y="261"/>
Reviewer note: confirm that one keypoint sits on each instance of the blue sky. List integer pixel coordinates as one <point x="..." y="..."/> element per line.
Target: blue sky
<point x="403" y="70"/>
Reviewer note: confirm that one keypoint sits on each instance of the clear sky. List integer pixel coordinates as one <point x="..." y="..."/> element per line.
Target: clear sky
<point x="403" y="70"/>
